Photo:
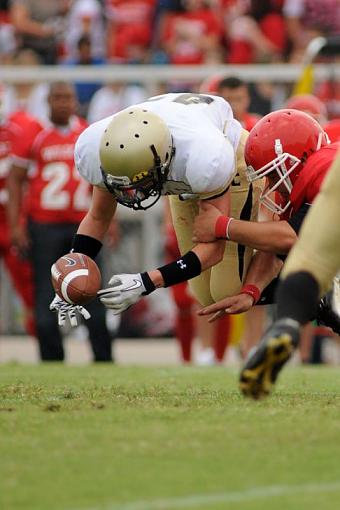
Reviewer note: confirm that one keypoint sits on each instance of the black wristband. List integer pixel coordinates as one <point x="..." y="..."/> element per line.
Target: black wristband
<point x="148" y="284"/>
<point x="181" y="270"/>
<point x="87" y="245"/>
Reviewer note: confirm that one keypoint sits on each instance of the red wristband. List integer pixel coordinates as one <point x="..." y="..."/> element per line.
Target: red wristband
<point x="222" y="226"/>
<point x="253" y="291"/>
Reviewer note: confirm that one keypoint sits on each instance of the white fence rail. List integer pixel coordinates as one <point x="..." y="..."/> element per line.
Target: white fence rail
<point x="147" y="74"/>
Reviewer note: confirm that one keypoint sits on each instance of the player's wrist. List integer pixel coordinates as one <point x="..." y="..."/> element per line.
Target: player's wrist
<point x="252" y="291"/>
<point x="222" y="227"/>
<point x="185" y="268"/>
<point x="148" y="283"/>
<point x="86" y="244"/>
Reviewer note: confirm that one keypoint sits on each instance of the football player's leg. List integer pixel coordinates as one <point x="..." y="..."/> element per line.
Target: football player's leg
<point x="318" y="248"/>
<point x="183" y="214"/>
<point x="185" y="323"/>
<point x="22" y="279"/>
<point x="99" y="335"/>
<point x="315" y="259"/>
<point x="223" y="329"/>
<point x="185" y="319"/>
<point x="43" y="255"/>
<point x="311" y="265"/>
<point x="227" y="276"/>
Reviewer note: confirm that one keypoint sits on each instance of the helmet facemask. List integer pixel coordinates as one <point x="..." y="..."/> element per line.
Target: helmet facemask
<point x="277" y="165"/>
<point x="145" y="189"/>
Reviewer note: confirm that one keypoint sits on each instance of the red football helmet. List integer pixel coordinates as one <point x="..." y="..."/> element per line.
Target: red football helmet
<point x="277" y="147"/>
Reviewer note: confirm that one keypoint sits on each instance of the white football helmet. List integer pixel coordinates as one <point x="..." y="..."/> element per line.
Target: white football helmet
<point x="135" y="152"/>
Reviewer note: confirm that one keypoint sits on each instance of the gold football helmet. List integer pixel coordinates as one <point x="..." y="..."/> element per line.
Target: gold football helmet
<point x="135" y="152"/>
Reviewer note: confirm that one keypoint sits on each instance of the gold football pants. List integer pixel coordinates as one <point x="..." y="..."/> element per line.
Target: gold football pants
<point x="225" y="278"/>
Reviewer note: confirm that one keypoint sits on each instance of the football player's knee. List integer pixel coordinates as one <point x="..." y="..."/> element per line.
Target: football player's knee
<point x="201" y="293"/>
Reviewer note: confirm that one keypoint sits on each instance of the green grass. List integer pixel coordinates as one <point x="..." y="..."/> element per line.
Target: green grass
<point x="132" y="438"/>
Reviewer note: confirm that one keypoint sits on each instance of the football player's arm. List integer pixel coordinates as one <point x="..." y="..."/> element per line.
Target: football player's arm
<point x="99" y="216"/>
<point x="96" y="223"/>
<point x="127" y="289"/>
<point x="16" y="180"/>
<point x="208" y="254"/>
<point x="88" y="240"/>
<point x="271" y="236"/>
<point x="24" y="24"/>
<point x="263" y="268"/>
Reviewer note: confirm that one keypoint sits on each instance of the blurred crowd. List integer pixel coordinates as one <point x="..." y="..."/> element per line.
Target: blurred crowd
<point x="165" y="31"/>
<point x="182" y="32"/>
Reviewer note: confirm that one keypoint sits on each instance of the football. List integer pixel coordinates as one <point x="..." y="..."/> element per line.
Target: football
<point x="76" y="278"/>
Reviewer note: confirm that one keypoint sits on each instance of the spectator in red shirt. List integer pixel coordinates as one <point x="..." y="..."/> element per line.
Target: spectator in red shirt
<point x="58" y="199"/>
<point x="255" y="31"/>
<point x="192" y="36"/>
<point x="129" y="29"/>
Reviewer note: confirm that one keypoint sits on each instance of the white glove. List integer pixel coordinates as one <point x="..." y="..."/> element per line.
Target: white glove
<point x="125" y="290"/>
<point x="64" y="309"/>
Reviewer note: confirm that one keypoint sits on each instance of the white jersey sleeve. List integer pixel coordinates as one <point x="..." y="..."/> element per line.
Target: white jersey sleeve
<point x="86" y="152"/>
<point x="209" y="172"/>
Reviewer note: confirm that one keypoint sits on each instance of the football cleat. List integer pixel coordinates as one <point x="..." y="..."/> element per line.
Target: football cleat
<point x="267" y="359"/>
<point x="328" y="310"/>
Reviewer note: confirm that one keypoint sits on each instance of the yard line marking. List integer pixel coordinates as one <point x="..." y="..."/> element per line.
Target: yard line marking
<point x="224" y="497"/>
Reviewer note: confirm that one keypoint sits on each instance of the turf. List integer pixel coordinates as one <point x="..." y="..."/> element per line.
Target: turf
<point x="133" y="438"/>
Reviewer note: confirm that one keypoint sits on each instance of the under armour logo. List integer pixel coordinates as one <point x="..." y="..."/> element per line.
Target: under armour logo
<point x="181" y="264"/>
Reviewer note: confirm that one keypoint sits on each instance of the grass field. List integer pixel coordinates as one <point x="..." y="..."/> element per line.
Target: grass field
<point x="125" y="438"/>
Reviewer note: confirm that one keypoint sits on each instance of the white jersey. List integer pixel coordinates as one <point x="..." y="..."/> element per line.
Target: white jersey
<point x="205" y="136"/>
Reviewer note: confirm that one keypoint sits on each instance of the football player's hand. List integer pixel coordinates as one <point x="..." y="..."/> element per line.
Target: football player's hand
<point x="230" y="305"/>
<point x="20" y="240"/>
<point x="124" y="291"/>
<point x="204" y="224"/>
<point x="64" y="310"/>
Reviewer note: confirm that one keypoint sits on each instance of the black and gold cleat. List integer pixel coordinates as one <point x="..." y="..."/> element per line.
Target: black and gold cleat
<point x="263" y="366"/>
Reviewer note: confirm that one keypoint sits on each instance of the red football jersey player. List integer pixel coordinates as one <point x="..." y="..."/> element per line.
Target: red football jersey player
<point x="15" y="127"/>
<point x="292" y="152"/>
<point x="57" y="200"/>
<point x="56" y="192"/>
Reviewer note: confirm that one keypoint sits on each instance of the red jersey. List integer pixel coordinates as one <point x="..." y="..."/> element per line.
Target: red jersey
<point x="308" y="184"/>
<point x="184" y="29"/>
<point x="131" y="21"/>
<point x="56" y="191"/>
<point x="13" y="129"/>
<point x="249" y="120"/>
<point x="332" y="128"/>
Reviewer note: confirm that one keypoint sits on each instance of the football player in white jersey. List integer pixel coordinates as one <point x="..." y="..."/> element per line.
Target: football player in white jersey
<point x="187" y="146"/>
